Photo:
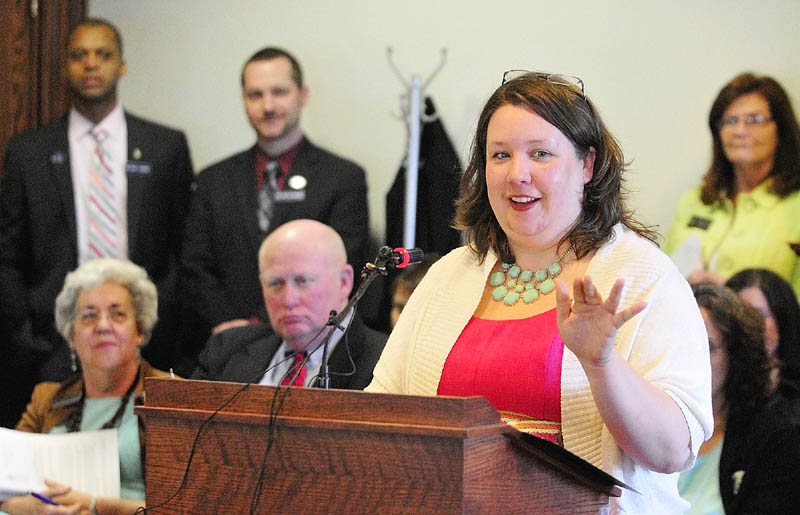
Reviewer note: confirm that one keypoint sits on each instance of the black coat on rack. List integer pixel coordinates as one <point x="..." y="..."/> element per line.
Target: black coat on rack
<point x="437" y="190"/>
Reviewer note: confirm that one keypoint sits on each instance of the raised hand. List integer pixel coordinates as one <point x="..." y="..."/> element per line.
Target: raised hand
<point x="588" y="324"/>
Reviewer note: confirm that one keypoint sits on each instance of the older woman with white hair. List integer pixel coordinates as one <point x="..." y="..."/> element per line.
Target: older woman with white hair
<point x="106" y="311"/>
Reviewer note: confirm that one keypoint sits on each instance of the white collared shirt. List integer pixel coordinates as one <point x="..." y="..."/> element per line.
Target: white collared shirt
<point x="81" y="147"/>
<point x="283" y="359"/>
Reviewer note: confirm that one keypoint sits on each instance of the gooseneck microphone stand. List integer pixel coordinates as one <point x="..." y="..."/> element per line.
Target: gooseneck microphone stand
<point x="386" y="258"/>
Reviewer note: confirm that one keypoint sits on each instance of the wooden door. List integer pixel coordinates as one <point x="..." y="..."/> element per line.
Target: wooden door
<point x="33" y="88"/>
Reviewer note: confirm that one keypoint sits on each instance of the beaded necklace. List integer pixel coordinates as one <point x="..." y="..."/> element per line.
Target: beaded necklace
<point x="73" y="423"/>
<point x="523" y="283"/>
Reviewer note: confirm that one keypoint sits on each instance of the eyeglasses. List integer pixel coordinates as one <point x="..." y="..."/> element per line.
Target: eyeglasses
<point x="554" y="78"/>
<point x="91" y="317"/>
<point x="751" y="120"/>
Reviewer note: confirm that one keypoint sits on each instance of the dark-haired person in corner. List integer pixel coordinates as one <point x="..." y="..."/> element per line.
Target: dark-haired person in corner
<point x="773" y="297"/>
<point x="749" y="465"/>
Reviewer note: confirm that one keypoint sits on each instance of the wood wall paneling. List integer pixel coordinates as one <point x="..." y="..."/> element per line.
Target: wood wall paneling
<point x="33" y="86"/>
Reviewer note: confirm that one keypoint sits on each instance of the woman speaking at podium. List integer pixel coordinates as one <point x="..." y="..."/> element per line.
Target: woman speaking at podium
<point x="560" y="310"/>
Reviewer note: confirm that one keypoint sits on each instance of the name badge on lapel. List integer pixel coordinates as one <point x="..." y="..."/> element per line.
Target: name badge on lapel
<point x="296" y="191"/>
<point x="700" y="223"/>
<point x="138" y="167"/>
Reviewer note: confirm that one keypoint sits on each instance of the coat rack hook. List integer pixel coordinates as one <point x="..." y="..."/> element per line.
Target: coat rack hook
<point x="394" y="67"/>
<point x="442" y="62"/>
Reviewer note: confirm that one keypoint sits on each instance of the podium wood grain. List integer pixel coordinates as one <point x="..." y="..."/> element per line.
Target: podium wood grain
<point x="340" y="451"/>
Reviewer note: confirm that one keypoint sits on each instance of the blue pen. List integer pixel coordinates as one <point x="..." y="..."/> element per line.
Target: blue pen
<point x="44" y="498"/>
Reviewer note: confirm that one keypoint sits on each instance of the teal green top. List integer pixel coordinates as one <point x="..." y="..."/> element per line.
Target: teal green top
<point x="97" y="412"/>
<point x="700" y="484"/>
<point x="756" y="234"/>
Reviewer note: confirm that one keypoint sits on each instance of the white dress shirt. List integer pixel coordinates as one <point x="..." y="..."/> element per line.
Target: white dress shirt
<point x="283" y="359"/>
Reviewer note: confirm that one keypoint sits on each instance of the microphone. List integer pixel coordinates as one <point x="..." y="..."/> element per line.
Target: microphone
<point x="401" y="257"/>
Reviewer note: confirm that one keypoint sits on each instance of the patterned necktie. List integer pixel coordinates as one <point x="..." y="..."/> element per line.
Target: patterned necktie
<point x="102" y="200"/>
<point x="296" y="376"/>
<point x="266" y="200"/>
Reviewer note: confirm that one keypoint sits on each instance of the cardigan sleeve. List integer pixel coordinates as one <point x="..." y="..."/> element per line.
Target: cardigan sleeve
<point x="671" y="352"/>
<point x="390" y="371"/>
<point x="429" y="325"/>
<point x="667" y="343"/>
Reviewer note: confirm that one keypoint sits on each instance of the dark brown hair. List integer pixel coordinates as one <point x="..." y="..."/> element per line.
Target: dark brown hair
<point x="567" y="109"/>
<point x="719" y="181"/>
<point x="746" y="385"/>
<point x="270" y="53"/>
<point x="785" y="310"/>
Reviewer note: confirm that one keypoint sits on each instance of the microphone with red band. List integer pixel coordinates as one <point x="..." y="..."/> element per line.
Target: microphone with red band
<point x="401" y="257"/>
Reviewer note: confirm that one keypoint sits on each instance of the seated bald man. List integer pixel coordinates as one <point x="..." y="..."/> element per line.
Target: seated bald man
<point x="304" y="275"/>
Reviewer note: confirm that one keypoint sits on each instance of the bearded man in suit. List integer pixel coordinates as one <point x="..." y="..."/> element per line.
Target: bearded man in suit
<point x="241" y="199"/>
<point x="97" y="182"/>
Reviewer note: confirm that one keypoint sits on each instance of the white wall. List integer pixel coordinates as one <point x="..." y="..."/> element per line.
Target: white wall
<point x="652" y="68"/>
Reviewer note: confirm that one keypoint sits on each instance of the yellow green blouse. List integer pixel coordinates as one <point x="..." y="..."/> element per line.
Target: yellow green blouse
<point x="754" y="234"/>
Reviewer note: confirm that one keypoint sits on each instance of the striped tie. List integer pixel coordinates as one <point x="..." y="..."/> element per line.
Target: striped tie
<point x="296" y="375"/>
<point x="266" y="200"/>
<point x="103" y="207"/>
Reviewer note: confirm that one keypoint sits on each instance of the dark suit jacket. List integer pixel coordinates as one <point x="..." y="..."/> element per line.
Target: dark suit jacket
<point x="242" y="355"/>
<point x="763" y="449"/>
<point x="220" y="261"/>
<point x="38" y="237"/>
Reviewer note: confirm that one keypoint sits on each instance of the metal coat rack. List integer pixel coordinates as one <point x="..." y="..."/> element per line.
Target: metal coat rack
<point x="412" y="115"/>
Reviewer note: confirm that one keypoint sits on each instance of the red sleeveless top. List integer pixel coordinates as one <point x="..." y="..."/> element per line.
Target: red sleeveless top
<point x="516" y="366"/>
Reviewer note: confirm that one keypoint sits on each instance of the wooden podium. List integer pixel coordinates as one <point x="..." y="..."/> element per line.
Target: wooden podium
<point x="341" y="451"/>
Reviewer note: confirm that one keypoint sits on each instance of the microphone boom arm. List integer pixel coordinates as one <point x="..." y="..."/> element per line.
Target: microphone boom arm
<point x="369" y="273"/>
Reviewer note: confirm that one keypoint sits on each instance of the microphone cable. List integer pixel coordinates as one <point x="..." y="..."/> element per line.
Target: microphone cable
<point x="275" y="406"/>
<point x="202" y="426"/>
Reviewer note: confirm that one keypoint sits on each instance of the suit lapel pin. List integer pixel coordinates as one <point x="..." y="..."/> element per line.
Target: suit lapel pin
<point x="297" y="182"/>
<point x="58" y="158"/>
<point x="137" y="154"/>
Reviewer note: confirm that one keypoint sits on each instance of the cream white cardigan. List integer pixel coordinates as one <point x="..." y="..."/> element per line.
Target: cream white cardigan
<point x="666" y="343"/>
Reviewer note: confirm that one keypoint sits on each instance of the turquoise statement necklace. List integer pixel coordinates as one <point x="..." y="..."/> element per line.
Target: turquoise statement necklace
<point x="512" y="282"/>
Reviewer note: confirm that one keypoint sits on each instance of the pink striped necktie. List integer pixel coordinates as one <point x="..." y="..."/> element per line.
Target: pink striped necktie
<point x="102" y="200"/>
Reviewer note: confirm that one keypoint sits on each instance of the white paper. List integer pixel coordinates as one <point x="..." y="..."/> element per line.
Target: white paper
<point x="87" y="461"/>
<point x="688" y="257"/>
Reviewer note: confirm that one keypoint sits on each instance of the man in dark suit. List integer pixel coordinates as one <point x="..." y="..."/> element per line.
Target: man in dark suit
<point x="46" y="227"/>
<point x="239" y="200"/>
<point x="304" y="276"/>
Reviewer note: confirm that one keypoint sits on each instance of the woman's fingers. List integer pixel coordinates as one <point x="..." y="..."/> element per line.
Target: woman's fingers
<point x="592" y="295"/>
<point x="578" y="291"/>
<point x="55" y="489"/>
<point x="623" y="316"/>
<point x="585" y="291"/>
<point x="563" y="302"/>
<point x="614" y="296"/>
